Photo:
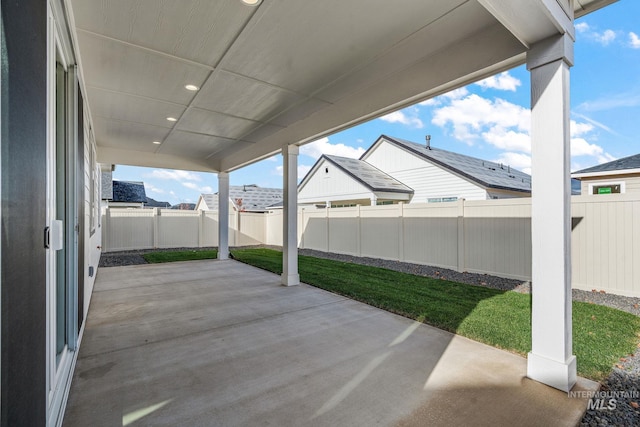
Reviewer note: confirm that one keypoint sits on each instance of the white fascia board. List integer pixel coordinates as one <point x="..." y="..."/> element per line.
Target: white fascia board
<point x="605" y="173"/>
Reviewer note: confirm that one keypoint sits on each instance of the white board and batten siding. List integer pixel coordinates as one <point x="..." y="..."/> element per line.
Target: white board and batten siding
<point x="331" y="185"/>
<point x="426" y="180"/>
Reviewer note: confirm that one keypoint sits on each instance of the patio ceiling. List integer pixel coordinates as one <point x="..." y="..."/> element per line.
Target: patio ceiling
<point x="284" y="72"/>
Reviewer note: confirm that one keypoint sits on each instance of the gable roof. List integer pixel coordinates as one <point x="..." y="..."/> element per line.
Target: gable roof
<point x="254" y="198"/>
<point x="626" y="163"/>
<point x="483" y="172"/>
<point x="366" y="174"/>
<point x="129" y="192"/>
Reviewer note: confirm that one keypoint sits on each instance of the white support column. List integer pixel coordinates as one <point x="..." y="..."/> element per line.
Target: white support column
<point x="551" y="360"/>
<point x="290" y="274"/>
<point x="223" y="215"/>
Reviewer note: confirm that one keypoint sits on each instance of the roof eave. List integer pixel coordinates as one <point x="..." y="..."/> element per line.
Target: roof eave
<point x="579" y="175"/>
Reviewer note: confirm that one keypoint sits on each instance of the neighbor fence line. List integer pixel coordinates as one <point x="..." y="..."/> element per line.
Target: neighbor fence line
<point x="480" y="236"/>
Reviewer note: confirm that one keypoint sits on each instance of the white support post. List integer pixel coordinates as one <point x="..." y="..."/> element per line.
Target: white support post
<point x="223" y="215"/>
<point x="290" y="276"/>
<point x="551" y="360"/>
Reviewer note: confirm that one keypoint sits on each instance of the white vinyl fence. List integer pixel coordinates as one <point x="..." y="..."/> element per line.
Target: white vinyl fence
<point x="492" y="236"/>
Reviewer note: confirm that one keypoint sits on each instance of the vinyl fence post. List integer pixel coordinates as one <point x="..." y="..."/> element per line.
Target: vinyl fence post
<point x="200" y="229"/>
<point x="461" y="236"/>
<point x="156" y="228"/>
<point x="358" y="232"/>
<point x="401" y="231"/>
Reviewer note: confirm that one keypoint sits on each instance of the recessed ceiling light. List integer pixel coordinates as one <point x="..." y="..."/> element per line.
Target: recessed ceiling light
<point x="172" y="119"/>
<point x="157" y="142"/>
<point x="191" y="87"/>
<point x="252" y="2"/>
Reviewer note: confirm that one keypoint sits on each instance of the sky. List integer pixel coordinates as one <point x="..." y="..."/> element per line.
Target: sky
<point x="489" y="119"/>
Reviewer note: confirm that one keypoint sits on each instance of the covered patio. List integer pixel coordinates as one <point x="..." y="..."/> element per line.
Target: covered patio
<point x="214" y="86"/>
<point x="208" y="343"/>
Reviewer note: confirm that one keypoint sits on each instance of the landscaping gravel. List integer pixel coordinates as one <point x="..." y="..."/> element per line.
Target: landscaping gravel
<point x="623" y="384"/>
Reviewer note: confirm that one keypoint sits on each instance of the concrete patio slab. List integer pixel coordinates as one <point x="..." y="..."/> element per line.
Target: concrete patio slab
<point x="220" y="343"/>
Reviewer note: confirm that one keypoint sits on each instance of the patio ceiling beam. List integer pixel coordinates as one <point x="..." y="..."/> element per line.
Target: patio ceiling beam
<point x="123" y="156"/>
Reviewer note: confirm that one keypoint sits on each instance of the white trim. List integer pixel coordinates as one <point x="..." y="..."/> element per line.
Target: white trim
<point x="605" y="173"/>
<point x="59" y="374"/>
<point x="622" y="184"/>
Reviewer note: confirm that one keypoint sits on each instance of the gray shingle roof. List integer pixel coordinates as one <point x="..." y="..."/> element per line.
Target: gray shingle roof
<point x="486" y="173"/>
<point x="253" y="198"/>
<point x="631" y="162"/>
<point x="129" y="191"/>
<point x="373" y="178"/>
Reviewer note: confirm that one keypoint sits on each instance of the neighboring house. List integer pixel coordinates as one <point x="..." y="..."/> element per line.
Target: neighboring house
<point x="184" y="206"/>
<point x="394" y="170"/>
<point x="618" y="176"/>
<point x="128" y="194"/>
<point x="244" y="198"/>
<point x="152" y="203"/>
<point x="339" y="181"/>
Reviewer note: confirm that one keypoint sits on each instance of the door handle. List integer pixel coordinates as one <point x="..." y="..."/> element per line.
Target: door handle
<point x="47" y="237"/>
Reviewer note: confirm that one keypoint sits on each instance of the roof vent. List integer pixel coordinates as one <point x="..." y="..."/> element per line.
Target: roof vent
<point x="428" y="139"/>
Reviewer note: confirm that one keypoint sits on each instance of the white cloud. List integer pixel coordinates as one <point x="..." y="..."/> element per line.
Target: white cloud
<point x="634" y="40"/>
<point x="193" y="186"/>
<point x="461" y="92"/>
<point x="302" y="170"/>
<point x="507" y="139"/>
<point x="474" y="117"/>
<point x="273" y="158"/>
<point x="578" y="129"/>
<point x="153" y="189"/>
<point x="178" y="175"/>
<point x="506" y="126"/>
<point x="518" y="161"/>
<point x="605" y="37"/>
<point x="502" y="81"/>
<point x="582" y="27"/>
<point x="322" y="146"/>
<point x="405" y="117"/>
<point x="430" y="102"/>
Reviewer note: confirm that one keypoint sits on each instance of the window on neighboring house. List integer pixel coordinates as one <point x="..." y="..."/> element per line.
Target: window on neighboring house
<point x="441" y="199"/>
<point x="384" y="202"/>
<point x="607" y="188"/>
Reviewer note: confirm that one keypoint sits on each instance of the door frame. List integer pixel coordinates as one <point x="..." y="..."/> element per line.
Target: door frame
<point x="59" y="374"/>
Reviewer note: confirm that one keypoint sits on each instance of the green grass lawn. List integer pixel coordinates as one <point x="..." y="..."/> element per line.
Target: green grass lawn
<point x="601" y="335"/>
<point x="156" y="257"/>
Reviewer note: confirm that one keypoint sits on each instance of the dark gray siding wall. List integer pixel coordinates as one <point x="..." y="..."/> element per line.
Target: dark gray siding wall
<point x="24" y="90"/>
